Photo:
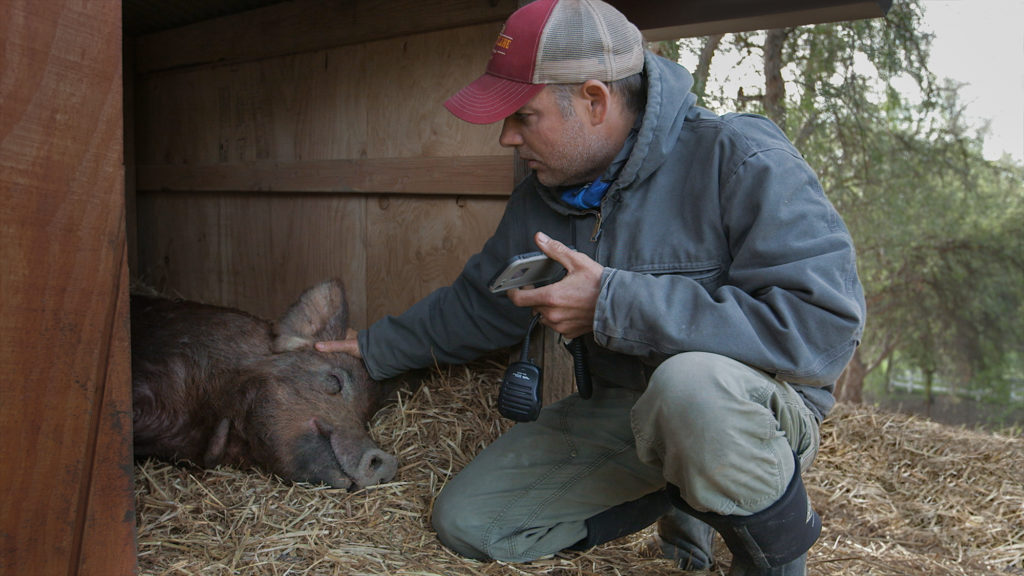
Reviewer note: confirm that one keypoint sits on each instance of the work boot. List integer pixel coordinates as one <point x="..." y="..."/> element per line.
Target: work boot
<point x="687" y="540"/>
<point x="796" y="567"/>
<point x="772" y="542"/>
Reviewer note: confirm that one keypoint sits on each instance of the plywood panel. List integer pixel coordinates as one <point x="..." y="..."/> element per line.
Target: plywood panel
<point x="257" y="253"/>
<point x="417" y="244"/>
<point x="173" y="120"/>
<point x="179" y="247"/>
<point x="410" y="80"/>
<point x="308" y="25"/>
<point x="378" y="100"/>
<point x="300" y="107"/>
<point x="66" y="457"/>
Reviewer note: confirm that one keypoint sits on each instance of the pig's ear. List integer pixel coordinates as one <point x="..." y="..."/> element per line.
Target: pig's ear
<point x="320" y="314"/>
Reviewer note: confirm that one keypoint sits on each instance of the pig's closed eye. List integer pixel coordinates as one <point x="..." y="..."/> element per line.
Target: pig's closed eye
<point x="335" y="383"/>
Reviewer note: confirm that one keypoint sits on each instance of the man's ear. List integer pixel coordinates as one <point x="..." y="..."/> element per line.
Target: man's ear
<point x="598" y="99"/>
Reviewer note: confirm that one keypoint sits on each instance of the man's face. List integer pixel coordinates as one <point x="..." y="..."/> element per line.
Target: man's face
<point x="561" y="150"/>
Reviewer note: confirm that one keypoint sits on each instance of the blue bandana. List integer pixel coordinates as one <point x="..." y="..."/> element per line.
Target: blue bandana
<point x="586" y="197"/>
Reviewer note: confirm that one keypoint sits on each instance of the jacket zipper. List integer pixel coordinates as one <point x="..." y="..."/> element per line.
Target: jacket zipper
<point x="596" y="232"/>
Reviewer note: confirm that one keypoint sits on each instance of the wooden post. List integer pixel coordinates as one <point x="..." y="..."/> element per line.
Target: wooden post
<point x="66" y="490"/>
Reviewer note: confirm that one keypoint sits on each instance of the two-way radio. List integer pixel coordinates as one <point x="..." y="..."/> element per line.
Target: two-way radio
<point x="521" y="394"/>
<point x="522" y="389"/>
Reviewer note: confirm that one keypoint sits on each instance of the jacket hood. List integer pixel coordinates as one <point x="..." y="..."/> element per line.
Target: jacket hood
<point x="663" y="117"/>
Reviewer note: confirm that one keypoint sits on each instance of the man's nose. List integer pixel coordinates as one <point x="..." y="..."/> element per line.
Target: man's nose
<point x="510" y="136"/>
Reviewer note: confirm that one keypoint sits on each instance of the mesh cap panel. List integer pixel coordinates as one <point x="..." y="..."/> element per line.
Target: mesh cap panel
<point x="586" y="40"/>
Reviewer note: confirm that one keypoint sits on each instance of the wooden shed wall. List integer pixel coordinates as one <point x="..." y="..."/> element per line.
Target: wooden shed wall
<point x="256" y="179"/>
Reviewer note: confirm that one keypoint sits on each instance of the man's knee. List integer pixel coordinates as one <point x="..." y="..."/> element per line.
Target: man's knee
<point x="688" y="401"/>
<point x="458" y="528"/>
<point x="701" y="382"/>
<point x="706" y="421"/>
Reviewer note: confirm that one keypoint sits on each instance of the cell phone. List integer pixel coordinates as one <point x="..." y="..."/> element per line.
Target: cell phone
<point x="533" y="268"/>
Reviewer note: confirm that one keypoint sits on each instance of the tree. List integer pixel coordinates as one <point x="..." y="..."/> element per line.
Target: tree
<point x="937" y="226"/>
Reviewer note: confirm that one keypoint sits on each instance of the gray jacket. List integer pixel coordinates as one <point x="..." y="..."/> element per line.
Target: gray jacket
<point x="715" y="237"/>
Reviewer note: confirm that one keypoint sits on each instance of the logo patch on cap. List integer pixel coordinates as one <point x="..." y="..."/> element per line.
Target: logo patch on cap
<point x="502" y="44"/>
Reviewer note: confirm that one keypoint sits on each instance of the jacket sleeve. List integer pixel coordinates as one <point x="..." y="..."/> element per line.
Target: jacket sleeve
<point x="453" y="324"/>
<point x="790" y="303"/>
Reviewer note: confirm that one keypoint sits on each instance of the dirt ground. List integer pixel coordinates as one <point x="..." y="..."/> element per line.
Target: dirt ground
<point x="898" y="494"/>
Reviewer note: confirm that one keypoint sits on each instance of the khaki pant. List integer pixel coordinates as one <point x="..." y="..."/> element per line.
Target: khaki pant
<point x="723" y="432"/>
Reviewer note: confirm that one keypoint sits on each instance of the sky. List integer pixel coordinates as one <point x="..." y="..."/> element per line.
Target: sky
<point x="981" y="43"/>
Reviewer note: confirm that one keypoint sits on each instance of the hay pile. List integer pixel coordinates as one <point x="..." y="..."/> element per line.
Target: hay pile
<point x="898" y="495"/>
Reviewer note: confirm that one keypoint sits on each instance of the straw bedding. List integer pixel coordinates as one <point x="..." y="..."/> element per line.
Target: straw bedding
<point x="899" y="496"/>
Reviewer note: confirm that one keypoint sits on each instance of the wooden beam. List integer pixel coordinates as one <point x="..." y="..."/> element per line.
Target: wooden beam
<point x="464" y="175"/>
<point x="661" y="20"/>
<point x="306" y="25"/>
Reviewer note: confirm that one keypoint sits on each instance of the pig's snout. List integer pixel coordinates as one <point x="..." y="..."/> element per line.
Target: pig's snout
<point x="376" y="466"/>
<point x="363" y="463"/>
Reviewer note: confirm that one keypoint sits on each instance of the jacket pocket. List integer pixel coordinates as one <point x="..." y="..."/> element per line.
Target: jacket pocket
<point x="709" y="274"/>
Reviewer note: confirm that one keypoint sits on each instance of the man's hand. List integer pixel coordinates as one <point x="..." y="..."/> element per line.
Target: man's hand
<point x="567" y="306"/>
<point x="349" y="345"/>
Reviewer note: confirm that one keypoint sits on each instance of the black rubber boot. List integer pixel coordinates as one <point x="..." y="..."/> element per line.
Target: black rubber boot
<point x="624" y="519"/>
<point x="687" y="540"/>
<point x="773" y="542"/>
<point x="796" y="567"/>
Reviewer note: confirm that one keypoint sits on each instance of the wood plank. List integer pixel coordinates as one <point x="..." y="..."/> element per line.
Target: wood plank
<point x="257" y="253"/>
<point x="470" y="175"/>
<point x="129" y="158"/>
<point x="660" y="20"/>
<point x="408" y="81"/>
<point x="378" y="100"/>
<point x="179" y="240"/>
<point x="62" y="248"/>
<point x="559" y="378"/>
<point x="274" y="247"/>
<point x="417" y="244"/>
<point x="106" y="551"/>
<point x="307" y="25"/>
<point x="555" y="362"/>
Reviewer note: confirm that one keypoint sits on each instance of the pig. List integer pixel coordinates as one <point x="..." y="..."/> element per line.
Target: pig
<point x="219" y="386"/>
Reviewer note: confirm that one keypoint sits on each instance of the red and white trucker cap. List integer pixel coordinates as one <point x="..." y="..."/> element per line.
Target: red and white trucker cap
<point x="550" y="42"/>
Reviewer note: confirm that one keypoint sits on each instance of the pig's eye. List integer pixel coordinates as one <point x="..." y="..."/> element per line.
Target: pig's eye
<point x="335" y="383"/>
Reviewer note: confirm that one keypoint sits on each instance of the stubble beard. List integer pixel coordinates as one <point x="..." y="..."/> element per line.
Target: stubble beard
<point x="583" y="158"/>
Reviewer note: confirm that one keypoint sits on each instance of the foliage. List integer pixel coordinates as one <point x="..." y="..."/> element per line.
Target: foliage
<point x="665" y="49"/>
<point x="938" y="227"/>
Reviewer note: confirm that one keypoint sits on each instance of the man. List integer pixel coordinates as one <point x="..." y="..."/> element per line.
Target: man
<point x="712" y="283"/>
